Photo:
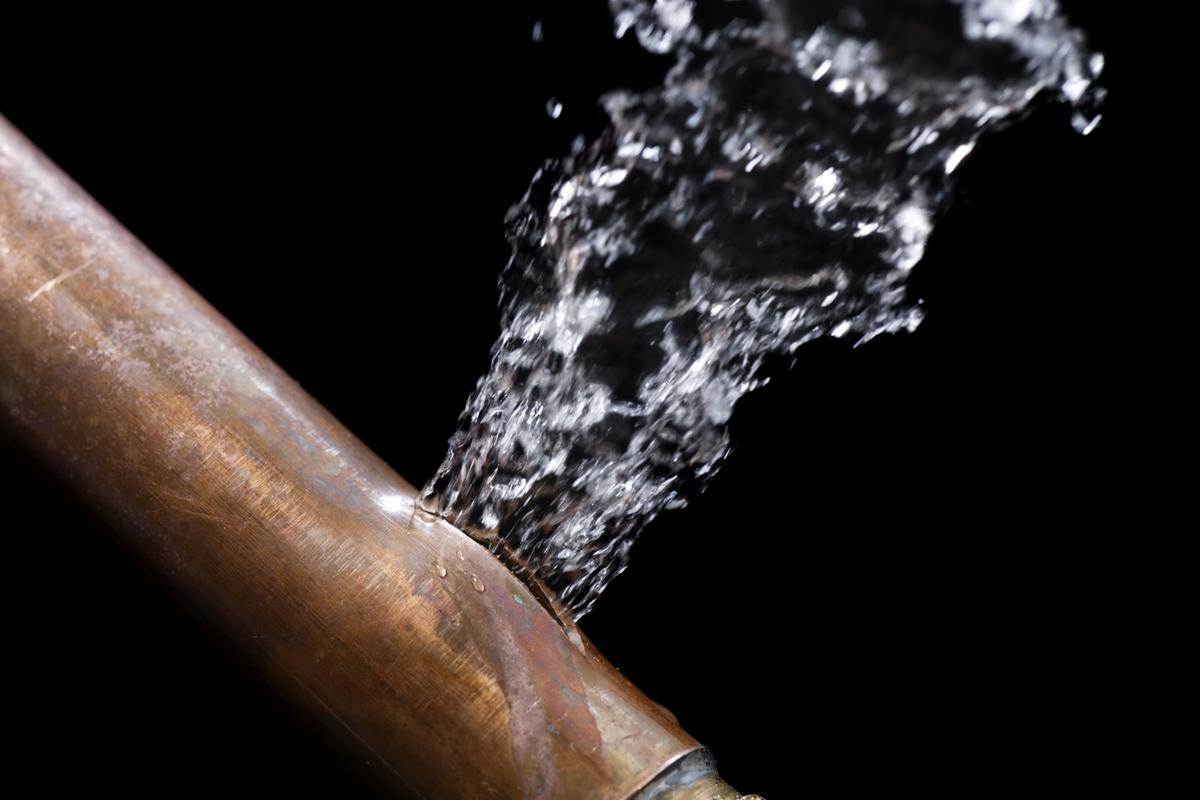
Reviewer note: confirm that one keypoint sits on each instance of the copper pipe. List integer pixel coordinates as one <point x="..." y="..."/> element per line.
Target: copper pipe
<point x="412" y="646"/>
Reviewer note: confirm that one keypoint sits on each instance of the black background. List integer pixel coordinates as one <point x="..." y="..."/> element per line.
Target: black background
<point x="894" y="583"/>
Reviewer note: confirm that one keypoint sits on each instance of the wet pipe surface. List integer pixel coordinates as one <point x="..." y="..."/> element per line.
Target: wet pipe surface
<point x="417" y="651"/>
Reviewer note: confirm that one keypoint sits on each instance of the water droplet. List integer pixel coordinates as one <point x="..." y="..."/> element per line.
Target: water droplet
<point x="554" y="108"/>
<point x="1083" y="124"/>
<point x="958" y="154"/>
<point x="477" y="583"/>
<point x="538" y="32"/>
<point x="441" y="571"/>
<point x="461" y="557"/>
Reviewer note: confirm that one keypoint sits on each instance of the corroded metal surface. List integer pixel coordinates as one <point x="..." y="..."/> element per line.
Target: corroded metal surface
<point x="414" y="647"/>
<point x="693" y="777"/>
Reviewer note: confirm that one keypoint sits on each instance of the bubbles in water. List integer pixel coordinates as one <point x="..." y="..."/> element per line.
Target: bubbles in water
<point x="779" y="186"/>
<point x="477" y="584"/>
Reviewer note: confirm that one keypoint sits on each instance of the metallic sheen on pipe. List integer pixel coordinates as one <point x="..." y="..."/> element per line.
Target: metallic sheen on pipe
<point x="414" y="648"/>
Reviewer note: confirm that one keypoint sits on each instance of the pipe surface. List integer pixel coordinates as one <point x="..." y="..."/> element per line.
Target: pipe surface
<point x="411" y="645"/>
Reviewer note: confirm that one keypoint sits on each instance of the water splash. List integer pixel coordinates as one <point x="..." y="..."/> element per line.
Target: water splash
<point x="778" y="187"/>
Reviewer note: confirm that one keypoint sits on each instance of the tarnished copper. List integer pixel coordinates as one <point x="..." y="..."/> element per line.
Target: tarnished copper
<point x="412" y="645"/>
<point x="692" y="777"/>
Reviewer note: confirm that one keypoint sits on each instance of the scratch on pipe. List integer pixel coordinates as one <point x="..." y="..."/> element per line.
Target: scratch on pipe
<point x="55" y="281"/>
